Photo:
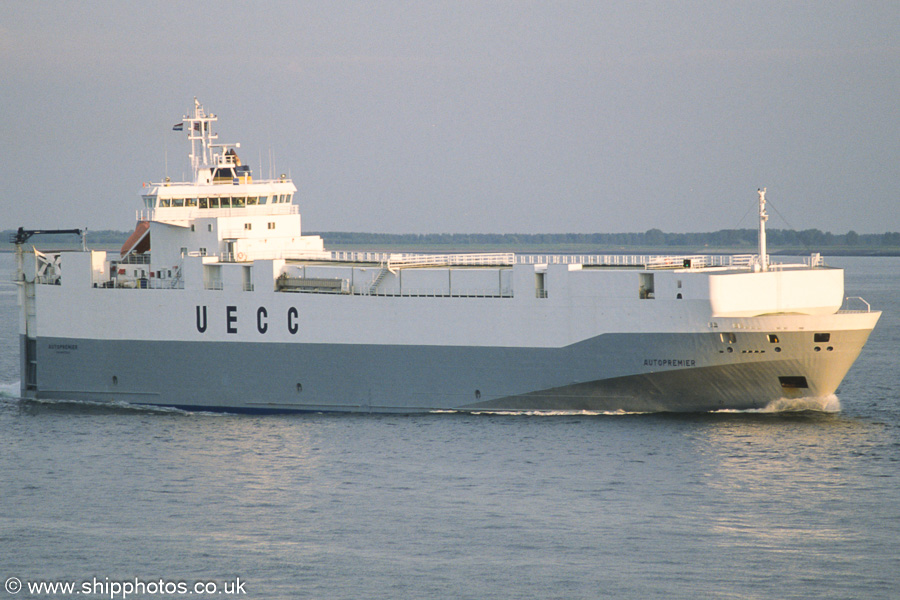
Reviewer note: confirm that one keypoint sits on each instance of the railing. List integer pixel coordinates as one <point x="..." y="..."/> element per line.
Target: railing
<point x="135" y="259"/>
<point x="442" y="260"/>
<point x="245" y="256"/>
<point x="393" y="260"/>
<point x="435" y="293"/>
<point x="180" y="184"/>
<point x="848" y="299"/>
<point x="143" y="283"/>
<point x="675" y="261"/>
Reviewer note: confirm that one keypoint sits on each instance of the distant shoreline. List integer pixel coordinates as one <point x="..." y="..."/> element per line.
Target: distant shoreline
<point x="730" y="241"/>
<point x="535" y="249"/>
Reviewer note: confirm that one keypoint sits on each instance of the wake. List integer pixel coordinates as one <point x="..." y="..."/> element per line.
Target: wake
<point x="825" y="404"/>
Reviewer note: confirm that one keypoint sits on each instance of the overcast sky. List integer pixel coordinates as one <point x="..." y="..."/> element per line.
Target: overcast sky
<point x="452" y="116"/>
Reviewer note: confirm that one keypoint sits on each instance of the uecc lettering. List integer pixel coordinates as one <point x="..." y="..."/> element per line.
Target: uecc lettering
<point x="231" y="319"/>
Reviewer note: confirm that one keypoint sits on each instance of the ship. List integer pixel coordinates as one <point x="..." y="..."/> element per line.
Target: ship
<point x="219" y="302"/>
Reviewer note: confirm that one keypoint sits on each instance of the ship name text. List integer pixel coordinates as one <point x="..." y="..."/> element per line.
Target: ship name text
<point x="262" y="319"/>
<point x="670" y="362"/>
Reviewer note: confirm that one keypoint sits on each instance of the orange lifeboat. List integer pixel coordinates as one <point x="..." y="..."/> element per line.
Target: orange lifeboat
<point x="139" y="241"/>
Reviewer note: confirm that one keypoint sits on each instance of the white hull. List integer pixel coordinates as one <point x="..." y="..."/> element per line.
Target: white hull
<point x="277" y="351"/>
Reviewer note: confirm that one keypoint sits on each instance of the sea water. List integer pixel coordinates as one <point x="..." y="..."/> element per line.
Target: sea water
<point x="798" y="502"/>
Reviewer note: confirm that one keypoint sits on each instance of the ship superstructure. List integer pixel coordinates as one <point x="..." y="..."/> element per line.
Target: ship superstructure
<point x="218" y="301"/>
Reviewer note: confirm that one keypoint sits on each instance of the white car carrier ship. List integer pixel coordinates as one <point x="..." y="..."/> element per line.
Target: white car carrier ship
<point x="218" y="302"/>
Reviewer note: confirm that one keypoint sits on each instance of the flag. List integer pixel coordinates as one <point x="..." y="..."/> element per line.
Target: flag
<point x="178" y="127"/>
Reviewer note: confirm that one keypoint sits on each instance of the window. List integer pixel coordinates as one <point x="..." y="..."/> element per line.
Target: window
<point x="190" y="202"/>
<point x="821" y="338"/>
<point x="209" y="227"/>
<point x="223" y="174"/>
<point x="178" y="202"/>
<point x="164" y="202"/>
<point x="192" y="228"/>
<point x="214" y="203"/>
<point x="539" y="289"/>
<point x="252" y="201"/>
<point x="271" y="225"/>
<point x="238" y="202"/>
<point x="263" y="199"/>
<point x="225" y="202"/>
<point x="773" y="339"/>
<point x="645" y="290"/>
<point x="202" y="251"/>
<point x="248" y="226"/>
<point x="728" y="338"/>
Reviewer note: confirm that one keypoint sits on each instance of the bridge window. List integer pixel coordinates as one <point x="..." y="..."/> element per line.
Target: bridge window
<point x="821" y="338"/>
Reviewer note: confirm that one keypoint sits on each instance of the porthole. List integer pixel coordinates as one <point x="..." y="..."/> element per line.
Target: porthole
<point x="730" y="349"/>
<point x="817" y="349"/>
<point x="777" y="349"/>
<point x="830" y="348"/>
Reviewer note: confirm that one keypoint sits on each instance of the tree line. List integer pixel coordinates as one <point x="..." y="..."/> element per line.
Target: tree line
<point x="811" y="239"/>
<point x="724" y="238"/>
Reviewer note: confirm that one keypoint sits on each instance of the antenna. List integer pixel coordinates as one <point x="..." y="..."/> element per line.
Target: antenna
<point x="763" y="217"/>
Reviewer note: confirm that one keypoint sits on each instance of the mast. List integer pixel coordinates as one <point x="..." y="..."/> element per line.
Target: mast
<point x="763" y="217"/>
<point x="201" y="136"/>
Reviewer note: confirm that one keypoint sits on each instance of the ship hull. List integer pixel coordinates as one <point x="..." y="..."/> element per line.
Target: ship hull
<point x="681" y="372"/>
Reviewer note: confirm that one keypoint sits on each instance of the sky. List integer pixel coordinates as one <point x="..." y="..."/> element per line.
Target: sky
<point x="464" y="117"/>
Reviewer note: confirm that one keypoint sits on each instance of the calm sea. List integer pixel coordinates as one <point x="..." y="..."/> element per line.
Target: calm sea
<point x="725" y="505"/>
